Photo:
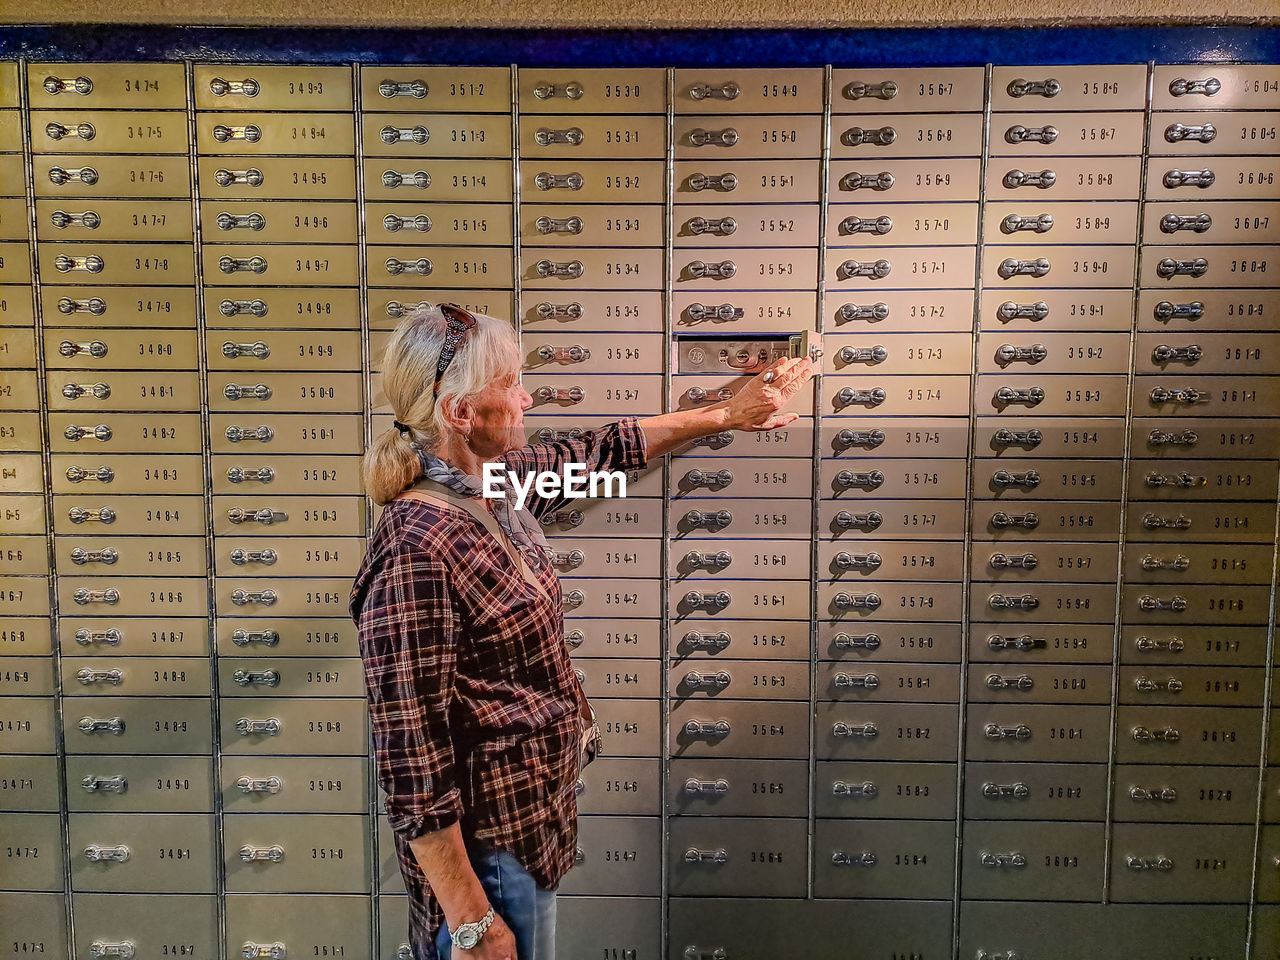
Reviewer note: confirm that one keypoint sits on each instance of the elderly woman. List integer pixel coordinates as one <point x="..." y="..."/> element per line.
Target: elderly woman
<point x="477" y="716"/>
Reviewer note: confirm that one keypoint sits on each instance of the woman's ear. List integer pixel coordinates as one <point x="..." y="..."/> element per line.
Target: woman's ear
<point x="458" y="413"/>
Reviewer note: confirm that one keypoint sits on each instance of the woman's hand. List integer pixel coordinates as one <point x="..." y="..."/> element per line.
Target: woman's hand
<point x="756" y="406"/>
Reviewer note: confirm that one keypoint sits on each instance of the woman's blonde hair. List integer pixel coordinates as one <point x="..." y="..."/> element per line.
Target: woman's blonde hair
<point x="487" y="352"/>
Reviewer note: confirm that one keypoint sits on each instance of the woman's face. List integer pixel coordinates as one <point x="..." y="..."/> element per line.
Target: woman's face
<point x="497" y="423"/>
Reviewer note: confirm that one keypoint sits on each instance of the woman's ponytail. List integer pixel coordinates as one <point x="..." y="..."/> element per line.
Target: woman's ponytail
<point x="390" y="465"/>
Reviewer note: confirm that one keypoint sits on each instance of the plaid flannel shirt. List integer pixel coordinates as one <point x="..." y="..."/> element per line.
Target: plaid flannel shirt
<point x="473" y="702"/>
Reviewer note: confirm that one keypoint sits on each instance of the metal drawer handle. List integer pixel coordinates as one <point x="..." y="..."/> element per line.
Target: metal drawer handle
<point x="59" y="131"/>
<point x="1164" y="310"/>
<point x="1020" y="134"/>
<point x="265" y="515"/>
<point x="1152" y="521"/>
<point x="1181" y="396"/>
<point x="416" y="134"/>
<point x="694" y="855"/>
<point x="547" y="268"/>
<point x="241" y="557"/>
<point x="1023" y="642"/>
<point x="61" y="176"/>
<point x="1185" y="480"/>
<point x="858" y="561"/>
<point x="88" y="676"/>
<point x="241" y="221"/>
<point x="1172" y="223"/>
<point x="722" y="227"/>
<point x="396" y="309"/>
<point x="248" y="728"/>
<point x="1147" y="685"/>
<point x="1162" y="864"/>
<point x="1022" y="311"/>
<point x="875" y="269"/>
<point x="571" y="394"/>
<point x="844" y="641"/>
<point x="707" y="681"/>
<point x="252" y="177"/>
<point x="868" y="439"/>
<point x="867" y="181"/>
<point x="1189" y="178"/>
<point x="96" y="853"/>
<point x="56" y="85"/>
<point x="999" y="601"/>
<point x="1160" y="563"/>
<point x="865" y="790"/>
<point x="417" y="178"/>
<point x="258" y="350"/>
<point x="243" y="597"/>
<point x="1168" y="268"/>
<point x="1040" y="88"/>
<point x="701" y="395"/>
<point x="94" y="305"/>
<point x="547" y="434"/>
<point x="572" y="354"/>
<point x="89" y="220"/>
<point x="721" y="439"/>
<point x="574" y="639"/>
<point x="249" y="133"/>
<point x="1031" y="396"/>
<point x="707" y="729"/>
<point x="95" y="348"/>
<point x="867" y="731"/>
<point x="1001" y="860"/>
<point x="709" y="478"/>
<point x="572" y="517"/>
<point x="1029" y="479"/>
<point x="551" y="225"/>
<point x="263" y="951"/>
<point x="717" y="561"/>
<point x="713" y="641"/>
<point x="260" y="784"/>
<point x="236" y="391"/>
<point x="1007" y="353"/>
<point x="403" y="88"/>
<point x="877" y="225"/>
<point x="723" y="270"/>
<point x="243" y="638"/>
<point x="1013" y="223"/>
<point x="241" y="88"/>
<point x="86" y="637"/>
<point x="272" y="854"/>
<point x="994" y="731"/>
<point x="112" y="725"/>
<point x="711" y="601"/>
<point x="1159" y="794"/>
<point x="1006" y="791"/>
<point x="864" y="858"/>
<point x="421" y="267"/>
<point x="696" y="518"/>
<point x="404" y="952"/>
<point x="1002" y="520"/>
<point x="1001" y="561"/>
<point x="856" y="601"/>
<point x="558" y="311"/>
<point x="871" y="398"/>
<point x="242" y="264"/>
<point x="1044" y="179"/>
<point x="1011" y="268"/>
<point x="860" y="521"/>
<point x="1148" y="645"/>
<point x="716" y="788"/>
<point x="1177" y="132"/>
<point x="1182" y="87"/>
<point x="871" y="311"/>
<point x="1163" y="353"/>
<point x="1175" y="604"/>
<point x="101" y="515"/>
<point x="570" y="91"/>
<point x="545" y="136"/>
<point x="997" y="682"/>
<point x="83" y="596"/>
<point x="80" y="474"/>
<point x="858" y="89"/>
<point x="864" y="480"/>
<point x="558" y="181"/>
<point x="705" y="91"/>
<point x="699" y="137"/>
<point x="725" y="182"/>
<point x="865" y="681"/>
<point x="262" y="433"/>
<point x="876" y="354"/>
<point x="246" y="474"/>
<point x="74" y="391"/>
<point x="1165" y="735"/>
<point x="571" y="558"/>
<point x="857" y="137"/>
<point x="256" y="678"/>
<point x="574" y="598"/>
<point x="1017" y="438"/>
<point x="237" y="308"/>
<point x="1187" y="438"/>
<point x="114" y="784"/>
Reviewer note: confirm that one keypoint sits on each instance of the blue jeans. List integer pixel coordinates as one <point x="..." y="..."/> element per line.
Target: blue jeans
<point x="528" y="910"/>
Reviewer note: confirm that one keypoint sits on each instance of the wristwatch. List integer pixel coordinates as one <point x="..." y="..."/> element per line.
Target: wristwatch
<point x="468" y="934"/>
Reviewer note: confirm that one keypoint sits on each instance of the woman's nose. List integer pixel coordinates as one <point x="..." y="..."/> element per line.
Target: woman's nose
<point x="526" y="398"/>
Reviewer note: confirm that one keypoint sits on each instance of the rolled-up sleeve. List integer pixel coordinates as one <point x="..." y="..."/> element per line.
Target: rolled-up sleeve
<point x="408" y="632"/>
<point x="615" y="446"/>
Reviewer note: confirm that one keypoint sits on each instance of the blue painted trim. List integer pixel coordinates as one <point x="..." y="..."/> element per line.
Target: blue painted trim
<point x="946" y="46"/>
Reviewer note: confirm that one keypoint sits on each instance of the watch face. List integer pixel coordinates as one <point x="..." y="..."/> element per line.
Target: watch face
<point x="466" y="939"/>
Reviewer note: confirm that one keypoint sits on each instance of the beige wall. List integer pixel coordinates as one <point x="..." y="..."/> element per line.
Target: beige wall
<point x="627" y="13"/>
